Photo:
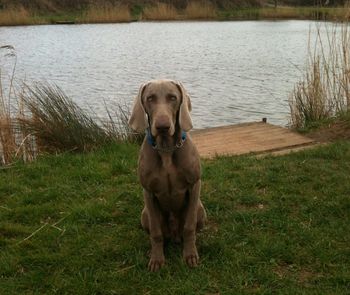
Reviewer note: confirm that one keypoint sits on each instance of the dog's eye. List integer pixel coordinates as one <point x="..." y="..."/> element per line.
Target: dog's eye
<point x="150" y="98"/>
<point x="172" y="97"/>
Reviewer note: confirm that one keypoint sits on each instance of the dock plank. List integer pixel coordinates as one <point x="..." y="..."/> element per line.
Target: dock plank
<point x="256" y="137"/>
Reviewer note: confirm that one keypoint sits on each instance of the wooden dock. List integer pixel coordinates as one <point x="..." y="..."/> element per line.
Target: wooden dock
<point x="258" y="138"/>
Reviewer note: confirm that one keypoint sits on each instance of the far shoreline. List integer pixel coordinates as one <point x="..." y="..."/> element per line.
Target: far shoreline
<point x="25" y="18"/>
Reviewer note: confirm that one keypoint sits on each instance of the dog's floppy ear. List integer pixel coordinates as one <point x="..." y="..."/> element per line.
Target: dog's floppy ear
<point x="138" y="119"/>
<point x="185" y="120"/>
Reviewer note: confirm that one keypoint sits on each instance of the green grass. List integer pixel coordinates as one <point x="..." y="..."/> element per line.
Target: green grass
<point x="277" y="225"/>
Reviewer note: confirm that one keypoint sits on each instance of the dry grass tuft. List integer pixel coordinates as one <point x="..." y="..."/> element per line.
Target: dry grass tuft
<point x="47" y="121"/>
<point x="324" y="91"/>
<point x="15" y="16"/>
<point x="161" y="11"/>
<point x="200" y="10"/>
<point x="117" y="124"/>
<point x="106" y="13"/>
<point x="59" y="124"/>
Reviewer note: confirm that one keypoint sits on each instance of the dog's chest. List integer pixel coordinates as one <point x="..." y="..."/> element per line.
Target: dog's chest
<point x="169" y="185"/>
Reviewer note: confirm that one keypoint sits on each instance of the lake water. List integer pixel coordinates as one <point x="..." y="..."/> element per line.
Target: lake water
<point x="234" y="71"/>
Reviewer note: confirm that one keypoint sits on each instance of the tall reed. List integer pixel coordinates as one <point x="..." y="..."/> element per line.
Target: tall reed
<point x="200" y="10"/>
<point x="15" y="16"/>
<point x="316" y="13"/>
<point x="160" y="11"/>
<point x="324" y="91"/>
<point x="106" y="13"/>
<point x="7" y="135"/>
<point x="8" y="147"/>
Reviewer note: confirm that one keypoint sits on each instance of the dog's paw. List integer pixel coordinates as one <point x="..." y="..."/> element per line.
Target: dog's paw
<point x="191" y="257"/>
<point x="156" y="263"/>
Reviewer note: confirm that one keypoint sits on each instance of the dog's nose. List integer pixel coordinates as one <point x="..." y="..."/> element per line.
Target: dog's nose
<point x="163" y="128"/>
<point x="162" y="124"/>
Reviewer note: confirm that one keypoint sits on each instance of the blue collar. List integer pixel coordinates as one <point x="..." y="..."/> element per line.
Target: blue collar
<point x="150" y="138"/>
<point x="152" y="142"/>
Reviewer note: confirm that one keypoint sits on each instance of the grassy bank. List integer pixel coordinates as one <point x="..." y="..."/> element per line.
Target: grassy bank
<point x="160" y="11"/>
<point x="69" y="224"/>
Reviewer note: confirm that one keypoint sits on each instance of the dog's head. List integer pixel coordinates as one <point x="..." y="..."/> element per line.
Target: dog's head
<point x="161" y="104"/>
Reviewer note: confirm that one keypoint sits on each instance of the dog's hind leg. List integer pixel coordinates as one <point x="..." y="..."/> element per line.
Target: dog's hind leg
<point x="190" y="253"/>
<point x="201" y="216"/>
<point x="144" y="220"/>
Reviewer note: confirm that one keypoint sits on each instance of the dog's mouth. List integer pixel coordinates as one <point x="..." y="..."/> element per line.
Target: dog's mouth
<point x="163" y="133"/>
<point x="164" y="140"/>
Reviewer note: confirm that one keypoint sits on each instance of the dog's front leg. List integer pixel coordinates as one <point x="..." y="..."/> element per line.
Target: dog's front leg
<point x="157" y="259"/>
<point x="190" y="253"/>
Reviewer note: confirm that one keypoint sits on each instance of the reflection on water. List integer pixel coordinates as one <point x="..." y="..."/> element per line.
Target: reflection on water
<point x="234" y="71"/>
